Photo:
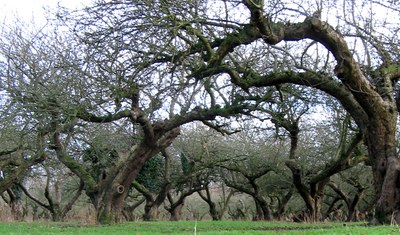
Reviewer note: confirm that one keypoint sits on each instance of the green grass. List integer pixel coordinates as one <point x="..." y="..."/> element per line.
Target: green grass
<point x="188" y="227"/>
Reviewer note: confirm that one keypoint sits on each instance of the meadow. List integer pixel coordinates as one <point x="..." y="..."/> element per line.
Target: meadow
<point x="193" y="227"/>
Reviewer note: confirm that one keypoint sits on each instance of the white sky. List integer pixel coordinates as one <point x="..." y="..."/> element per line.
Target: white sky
<point x="32" y="10"/>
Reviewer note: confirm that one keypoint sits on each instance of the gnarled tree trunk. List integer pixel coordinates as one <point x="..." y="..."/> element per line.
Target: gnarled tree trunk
<point x="369" y="98"/>
<point x="109" y="200"/>
<point x="380" y="139"/>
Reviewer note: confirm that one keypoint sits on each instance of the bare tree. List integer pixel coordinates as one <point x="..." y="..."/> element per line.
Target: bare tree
<point x="138" y="102"/>
<point x="57" y="207"/>
<point x="236" y="46"/>
<point x="162" y="64"/>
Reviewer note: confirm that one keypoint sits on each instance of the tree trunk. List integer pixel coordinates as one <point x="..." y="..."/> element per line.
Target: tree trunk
<point x="176" y="212"/>
<point x="128" y="211"/>
<point x="352" y="206"/>
<point x="151" y="211"/>
<point x="350" y="203"/>
<point x="352" y="215"/>
<point x="314" y="203"/>
<point x="212" y="207"/>
<point x="316" y="216"/>
<point x="259" y="213"/>
<point x="16" y="210"/>
<point x="109" y="203"/>
<point x="109" y="200"/>
<point x="283" y="202"/>
<point x="108" y="211"/>
<point x="15" y="203"/>
<point x="380" y="139"/>
<point x="267" y="213"/>
<point x="262" y="209"/>
<point x="332" y="207"/>
<point x="175" y="208"/>
<point x="151" y="208"/>
<point x="313" y="195"/>
<point x="213" y="211"/>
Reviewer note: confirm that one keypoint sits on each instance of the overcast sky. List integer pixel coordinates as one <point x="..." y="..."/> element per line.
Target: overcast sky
<point x="32" y="9"/>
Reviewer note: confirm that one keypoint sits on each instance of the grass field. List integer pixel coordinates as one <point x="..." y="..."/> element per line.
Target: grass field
<point x="192" y="227"/>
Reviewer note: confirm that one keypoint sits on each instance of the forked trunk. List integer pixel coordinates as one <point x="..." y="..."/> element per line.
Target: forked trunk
<point x="283" y="202"/>
<point x="212" y="206"/>
<point x="352" y="208"/>
<point x="259" y="213"/>
<point x="176" y="213"/>
<point x="110" y="198"/>
<point x="313" y="209"/>
<point x="263" y="211"/>
<point x="150" y="212"/>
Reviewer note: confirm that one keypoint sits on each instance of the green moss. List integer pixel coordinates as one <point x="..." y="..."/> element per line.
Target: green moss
<point x="77" y="168"/>
<point x="106" y="218"/>
<point x="394" y="68"/>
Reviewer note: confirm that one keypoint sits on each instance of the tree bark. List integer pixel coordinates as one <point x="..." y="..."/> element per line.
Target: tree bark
<point x="262" y="209"/>
<point x="175" y="208"/>
<point x="15" y="204"/>
<point x="128" y="210"/>
<point x="176" y="211"/>
<point x="212" y="206"/>
<point x="380" y="139"/>
<point x="109" y="200"/>
<point x="350" y="203"/>
<point x="283" y="202"/>
<point x="371" y="104"/>
<point x="57" y="212"/>
<point x="108" y="194"/>
<point x="151" y="208"/>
